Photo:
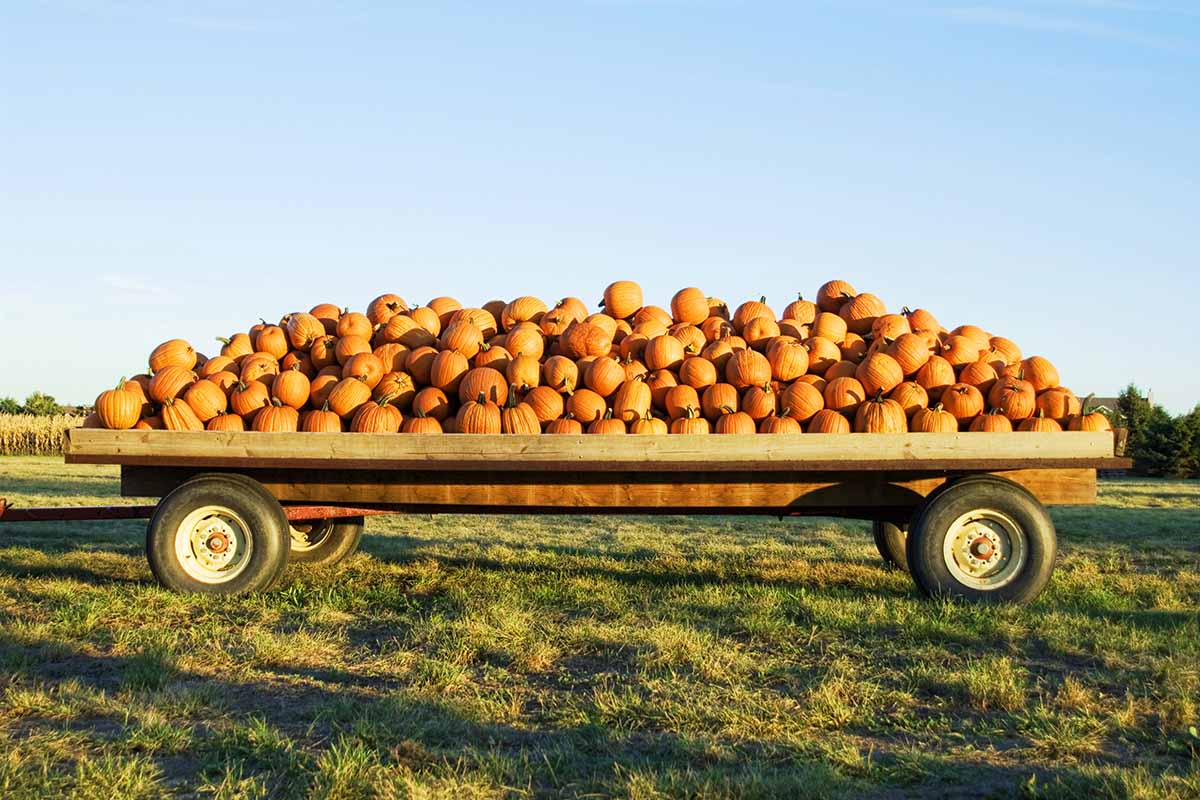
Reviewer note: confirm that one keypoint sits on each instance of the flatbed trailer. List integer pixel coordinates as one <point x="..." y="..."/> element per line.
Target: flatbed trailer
<point x="963" y="512"/>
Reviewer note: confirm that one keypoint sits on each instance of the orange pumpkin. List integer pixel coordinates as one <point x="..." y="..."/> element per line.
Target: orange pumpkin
<point x="828" y="421"/>
<point x="844" y="395"/>
<point x="608" y="424"/>
<point x="347" y="396"/>
<point x="480" y="415"/>
<point x="177" y="415"/>
<point x="377" y="416"/>
<point x="991" y="422"/>
<point x="689" y="305"/>
<point x="736" y="422"/>
<point x="934" y="420"/>
<point x="206" y="399"/>
<point x="173" y="353"/>
<point x="963" y="401"/>
<point x="120" y="409"/>
<point x="586" y="406"/>
<point x="276" y="418"/>
<point x="879" y="372"/>
<point x="880" y="415"/>
<point x="321" y="420"/>
<point x="1039" y="423"/>
<point x="170" y="383"/>
<point x="483" y="381"/>
<point x="690" y="423"/>
<point x="632" y="401"/>
<point x="650" y="425"/>
<point x="747" y="368"/>
<point x="420" y="424"/>
<point x="564" y="425"/>
<point x="622" y="299"/>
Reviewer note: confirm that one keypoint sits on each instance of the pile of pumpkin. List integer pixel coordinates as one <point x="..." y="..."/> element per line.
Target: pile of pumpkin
<point x="838" y="364"/>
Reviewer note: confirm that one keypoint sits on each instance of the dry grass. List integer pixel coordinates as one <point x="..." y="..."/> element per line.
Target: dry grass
<point x="27" y="435"/>
<point x="578" y="656"/>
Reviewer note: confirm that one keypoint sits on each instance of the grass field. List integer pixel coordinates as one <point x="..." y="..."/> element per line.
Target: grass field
<point x="594" y="657"/>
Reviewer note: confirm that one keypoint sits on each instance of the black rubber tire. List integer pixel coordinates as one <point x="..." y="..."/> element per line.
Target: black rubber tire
<point x="927" y="534"/>
<point x="262" y="513"/>
<point x="341" y="541"/>
<point x="891" y="542"/>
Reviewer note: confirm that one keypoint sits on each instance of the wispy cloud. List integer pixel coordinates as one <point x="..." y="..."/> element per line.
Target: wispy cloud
<point x="132" y="289"/>
<point x="1041" y="22"/>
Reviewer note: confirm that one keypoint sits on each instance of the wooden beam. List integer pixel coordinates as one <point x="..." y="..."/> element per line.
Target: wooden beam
<point x="639" y="492"/>
<point x="485" y="453"/>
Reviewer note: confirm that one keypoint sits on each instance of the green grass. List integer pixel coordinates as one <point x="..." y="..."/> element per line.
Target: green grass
<point x="584" y="656"/>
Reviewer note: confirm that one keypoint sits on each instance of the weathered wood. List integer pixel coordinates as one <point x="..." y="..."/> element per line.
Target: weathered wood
<point x="488" y="454"/>
<point x="641" y="492"/>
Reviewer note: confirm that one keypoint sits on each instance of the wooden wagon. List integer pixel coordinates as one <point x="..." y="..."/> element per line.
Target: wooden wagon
<point x="964" y="513"/>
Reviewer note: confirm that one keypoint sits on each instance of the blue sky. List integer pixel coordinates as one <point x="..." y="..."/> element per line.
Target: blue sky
<point x="182" y="168"/>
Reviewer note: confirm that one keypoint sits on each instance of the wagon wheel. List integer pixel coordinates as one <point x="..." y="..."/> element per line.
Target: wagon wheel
<point x="891" y="540"/>
<point x="985" y="539"/>
<point x="325" y="542"/>
<point x="218" y="534"/>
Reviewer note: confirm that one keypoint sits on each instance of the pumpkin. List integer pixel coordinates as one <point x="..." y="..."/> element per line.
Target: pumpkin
<point x="879" y="372"/>
<point x="760" y="402"/>
<point x="700" y="373"/>
<point x="237" y="346"/>
<point x="560" y="373"/>
<point x="320" y="386"/>
<point x="829" y="326"/>
<point x="170" y="383"/>
<point x="495" y="356"/>
<point x="323" y="352"/>
<point x="1039" y="423"/>
<point x="447" y="371"/>
<point x="481" y="318"/>
<point x="297" y="361"/>
<point x="353" y="323"/>
<point x="991" y="422"/>
<point x="982" y="338"/>
<point x="855" y="348"/>
<point x="660" y="382"/>
<point x="663" y="352"/>
<point x="349" y="346"/>
<point x="911" y="396"/>
<point x="880" y="415"/>
<point x="547" y="404"/>
<point x="890" y="326"/>
<point x="963" y="401"/>
<point x="260" y="368"/>
<point x="447" y="307"/>
<point x="1088" y="420"/>
<point x="585" y="406"/>
<point x="247" y="399"/>
<point x="419" y="364"/>
<point x="934" y="420"/>
<point x="934" y="376"/>
<point x="788" y="359"/>
<point x="682" y="397"/>
<point x="822" y="354"/>
<point x="691" y="337"/>
<point x="1040" y="372"/>
<point x="715" y="328"/>
<point x="759" y="331"/>
<point x="844" y="395"/>
<point x="1014" y="397"/>
<point x="480" y="415"/>
<point x="833" y="295"/>
<point x="177" y="415"/>
<point x="920" y="320"/>
<point x="271" y="340"/>
<point x="749" y="310"/>
<point x="400" y="387"/>
<point x="790" y="327"/>
<point x="842" y="369"/>
<point x="431" y="402"/>
<point x="526" y="338"/>
<point x="524" y="372"/>
<point x="1007" y="347"/>
<point x="564" y="425"/>
<point x="151" y="423"/>
<point x="207" y="399"/>
<point x="607" y="424"/>
<point x="801" y="401"/>
<point x="801" y="310"/>
<point x="689" y="305"/>
<point x="1058" y="404"/>
<point x="383" y="308"/>
<point x="712" y="401"/>
<point x="690" y="423"/>
<point x="980" y="374"/>
<point x="303" y="329"/>
<point x="779" y="423"/>
<point x="737" y="422"/>
<point x="828" y="421"/>
<point x="120" y="409"/>
<point x="321" y="420"/>
<point x="229" y="423"/>
<point x="377" y="416"/>
<point x="483" y="381"/>
<point x="522" y="309"/>
<point x="747" y="368"/>
<point x="649" y="425"/>
<point x="861" y="311"/>
<point x="585" y="339"/>
<point x="622" y="299"/>
<point x="420" y="424"/>
<point x="911" y="352"/>
<point x="960" y="351"/>
<point x="718" y="352"/>
<point x="173" y="353"/>
<point x="632" y="401"/>
<point x="462" y="337"/>
<point x="604" y="375"/>
<point x="347" y="396"/>
<point x="428" y="319"/>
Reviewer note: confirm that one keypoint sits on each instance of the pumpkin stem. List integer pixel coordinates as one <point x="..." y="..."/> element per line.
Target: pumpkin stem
<point x="512" y="396"/>
<point x="786" y="410"/>
<point x="726" y="409"/>
<point x="121" y="383"/>
<point x="419" y="413"/>
<point x="222" y="340"/>
<point x="275" y="401"/>
<point x="481" y="399"/>
<point x="608" y="414"/>
<point x="1083" y="407"/>
<point x="878" y="396"/>
<point x="325" y="406"/>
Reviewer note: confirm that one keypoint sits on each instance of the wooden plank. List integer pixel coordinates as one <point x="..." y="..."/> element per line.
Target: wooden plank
<point x="635" y="492"/>
<point x="813" y="453"/>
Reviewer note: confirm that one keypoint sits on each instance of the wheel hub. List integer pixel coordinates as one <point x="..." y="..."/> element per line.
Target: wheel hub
<point x="217" y="543"/>
<point x="985" y="549"/>
<point x="213" y="544"/>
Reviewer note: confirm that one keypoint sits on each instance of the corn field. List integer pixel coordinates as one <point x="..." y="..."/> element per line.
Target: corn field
<point x="28" y="435"/>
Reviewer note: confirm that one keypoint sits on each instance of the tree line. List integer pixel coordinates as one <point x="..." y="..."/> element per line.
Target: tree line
<point x="38" y="404"/>
<point x="1160" y="445"/>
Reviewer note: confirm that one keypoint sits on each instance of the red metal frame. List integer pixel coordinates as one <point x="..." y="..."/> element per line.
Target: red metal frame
<point x="8" y="513"/>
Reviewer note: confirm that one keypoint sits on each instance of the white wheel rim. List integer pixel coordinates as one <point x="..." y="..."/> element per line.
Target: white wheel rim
<point x="213" y="544"/>
<point x="985" y="549"/>
<point x="310" y="537"/>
